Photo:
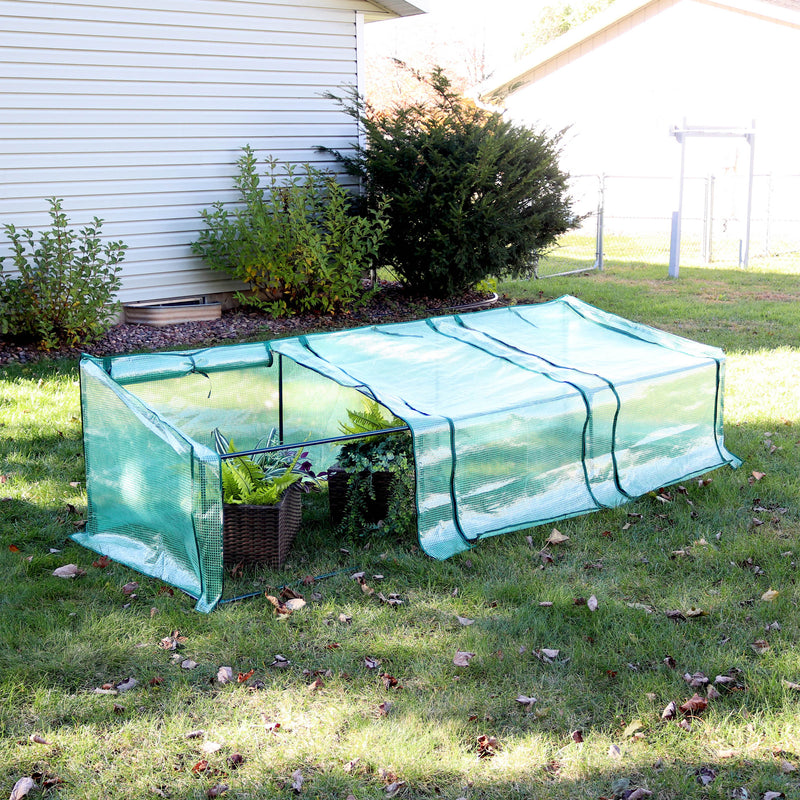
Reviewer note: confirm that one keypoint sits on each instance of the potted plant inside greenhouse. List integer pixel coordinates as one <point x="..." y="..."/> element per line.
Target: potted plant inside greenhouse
<point x="371" y="473"/>
<point x="262" y="501"/>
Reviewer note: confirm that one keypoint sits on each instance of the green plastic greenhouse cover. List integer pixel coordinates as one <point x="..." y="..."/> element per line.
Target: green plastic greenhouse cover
<point x="519" y="416"/>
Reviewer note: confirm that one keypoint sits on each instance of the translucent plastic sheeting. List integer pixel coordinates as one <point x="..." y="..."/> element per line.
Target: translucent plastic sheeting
<point x="519" y="416"/>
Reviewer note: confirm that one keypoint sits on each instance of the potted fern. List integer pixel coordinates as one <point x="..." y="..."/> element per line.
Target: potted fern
<point x="262" y="503"/>
<point x="361" y="483"/>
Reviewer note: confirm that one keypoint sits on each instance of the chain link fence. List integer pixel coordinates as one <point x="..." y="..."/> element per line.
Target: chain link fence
<point x="629" y="218"/>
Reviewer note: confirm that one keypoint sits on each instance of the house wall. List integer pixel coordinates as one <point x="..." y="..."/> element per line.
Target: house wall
<point x="136" y="113"/>
<point x="622" y="93"/>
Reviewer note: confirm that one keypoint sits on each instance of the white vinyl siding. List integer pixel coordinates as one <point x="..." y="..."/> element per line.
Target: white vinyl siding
<point x="136" y="113"/>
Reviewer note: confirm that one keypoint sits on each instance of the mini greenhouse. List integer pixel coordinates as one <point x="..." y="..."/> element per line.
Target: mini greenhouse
<point x="519" y="416"/>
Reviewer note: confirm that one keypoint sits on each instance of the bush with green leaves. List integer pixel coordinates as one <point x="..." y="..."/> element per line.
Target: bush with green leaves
<point x="471" y="195"/>
<point x="63" y="292"/>
<point x="297" y="242"/>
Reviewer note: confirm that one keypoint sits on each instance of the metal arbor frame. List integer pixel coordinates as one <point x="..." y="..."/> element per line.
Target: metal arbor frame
<point x="681" y="134"/>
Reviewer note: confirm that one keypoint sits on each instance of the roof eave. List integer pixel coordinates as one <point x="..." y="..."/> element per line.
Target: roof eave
<point x="392" y="9"/>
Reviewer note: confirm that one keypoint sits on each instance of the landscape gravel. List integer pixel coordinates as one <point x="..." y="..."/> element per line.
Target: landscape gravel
<point x="390" y="304"/>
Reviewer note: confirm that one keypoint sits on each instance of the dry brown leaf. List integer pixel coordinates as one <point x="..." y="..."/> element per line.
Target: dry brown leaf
<point x="69" y="571"/>
<point x="209" y="748"/>
<point x="577" y="736"/>
<point x="217" y="790"/>
<point x="757" y="476"/>
<point x="37" y="739"/>
<point x="760" y="646"/>
<point x="371" y="663"/>
<point x="670" y="711"/>
<point x="694" y="705"/>
<point x="465" y="620"/>
<point x="129" y="588"/>
<point x="712" y="693"/>
<point x="556" y="537"/>
<point x="393" y="788"/>
<point x="526" y="701"/>
<point x="462" y="658"/>
<point x="639" y="794"/>
<point x="615" y="752"/>
<point x="696" y="680"/>
<point x="770" y="595"/>
<point x="21" y="788"/>
<point x="225" y="675"/>
<point x="316" y="685"/>
<point x="795" y="687"/>
<point x="546" y="604"/>
<point x="297" y="781"/>
<point x="188" y="664"/>
<point x="592" y="603"/>
<point x="695" y="612"/>
<point x="127" y="685"/>
<point x="279" y="661"/>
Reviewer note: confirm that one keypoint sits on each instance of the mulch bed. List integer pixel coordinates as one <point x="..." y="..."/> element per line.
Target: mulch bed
<point x="390" y="304"/>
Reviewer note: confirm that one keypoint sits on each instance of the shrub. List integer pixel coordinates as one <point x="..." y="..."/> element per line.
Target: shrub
<point x="297" y="243"/>
<point x="64" y="292"/>
<point x="471" y="195"/>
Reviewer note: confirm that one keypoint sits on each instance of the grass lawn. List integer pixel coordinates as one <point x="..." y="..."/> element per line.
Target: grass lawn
<point x="366" y="700"/>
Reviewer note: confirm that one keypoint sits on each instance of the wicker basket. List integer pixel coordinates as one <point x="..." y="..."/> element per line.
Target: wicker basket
<point x="377" y="507"/>
<point x="261" y="534"/>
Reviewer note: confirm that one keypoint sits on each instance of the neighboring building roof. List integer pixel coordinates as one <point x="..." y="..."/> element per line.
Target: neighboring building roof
<point x="618" y="18"/>
<point x="387" y="9"/>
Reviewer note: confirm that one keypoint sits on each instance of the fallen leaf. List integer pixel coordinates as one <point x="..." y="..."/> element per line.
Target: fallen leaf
<point x="127" y="685"/>
<point x="795" y="687"/>
<point x="209" y="748"/>
<point x="786" y="766"/>
<point x="316" y="685"/>
<point x="487" y="746"/>
<point x="546" y="654"/>
<point x="556" y="537"/>
<point x="592" y="603"/>
<point x="225" y="674"/>
<point x="694" y="705"/>
<point x="639" y="794"/>
<point x="757" y="476"/>
<point x="297" y="781"/>
<point x="198" y="734"/>
<point x="21" y="788"/>
<point x="546" y="604"/>
<point x="670" y="711"/>
<point x="705" y="775"/>
<point x="614" y="751"/>
<point x="465" y="620"/>
<point x="526" y="701"/>
<point x="712" y="693"/>
<point x="727" y="753"/>
<point x="295" y="603"/>
<point x="696" y="680"/>
<point x="279" y="661"/>
<point x="217" y="790"/>
<point x="577" y="736"/>
<point x="345" y="619"/>
<point x="101" y="562"/>
<point x="760" y="646"/>
<point x="393" y="788"/>
<point x="68" y="571"/>
<point x="383" y="708"/>
<point x="351" y="765"/>
<point x="200" y="766"/>
<point x="695" y="612"/>
<point x="772" y="795"/>
<point x="371" y="663"/>
<point x="462" y="658"/>
<point x="243" y="677"/>
<point x="632" y="727"/>
<point x="770" y="595"/>
<point x="641" y="607"/>
<point x="188" y="664"/>
<point x="130" y="588"/>
<point x="675" y="615"/>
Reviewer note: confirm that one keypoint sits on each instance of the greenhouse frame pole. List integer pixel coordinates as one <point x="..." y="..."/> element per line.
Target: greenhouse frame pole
<point x="699" y="130"/>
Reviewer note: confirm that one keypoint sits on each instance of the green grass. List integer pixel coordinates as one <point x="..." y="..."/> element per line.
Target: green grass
<point x="61" y="639"/>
